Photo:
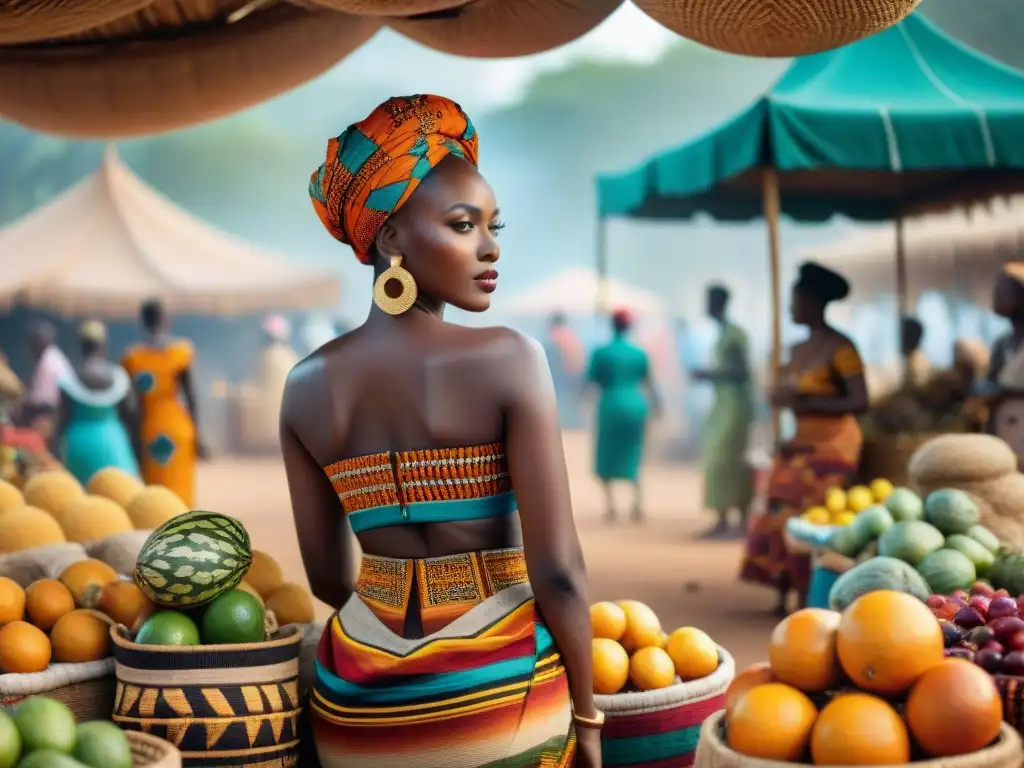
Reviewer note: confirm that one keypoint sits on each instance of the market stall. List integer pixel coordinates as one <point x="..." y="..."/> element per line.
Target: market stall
<point x="905" y="121"/>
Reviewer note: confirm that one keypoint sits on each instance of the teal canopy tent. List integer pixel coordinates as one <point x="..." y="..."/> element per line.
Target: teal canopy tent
<point x="904" y="121"/>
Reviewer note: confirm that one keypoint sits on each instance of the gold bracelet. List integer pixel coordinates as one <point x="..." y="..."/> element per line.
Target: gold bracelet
<point x="589" y="722"/>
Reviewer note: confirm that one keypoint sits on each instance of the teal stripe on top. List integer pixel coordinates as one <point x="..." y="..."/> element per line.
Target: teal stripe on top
<point x="448" y="511"/>
<point x="636" y="750"/>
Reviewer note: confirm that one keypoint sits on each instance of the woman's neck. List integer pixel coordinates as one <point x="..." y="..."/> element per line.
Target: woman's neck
<point x="422" y="312"/>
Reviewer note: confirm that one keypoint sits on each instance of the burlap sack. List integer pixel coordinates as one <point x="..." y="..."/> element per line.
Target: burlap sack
<point x="40" y="562"/>
<point x="120" y="551"/>
<point x="949" y="461"/>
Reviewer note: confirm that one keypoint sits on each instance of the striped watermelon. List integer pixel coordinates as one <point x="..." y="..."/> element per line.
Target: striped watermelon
<point x="192" y="558"/>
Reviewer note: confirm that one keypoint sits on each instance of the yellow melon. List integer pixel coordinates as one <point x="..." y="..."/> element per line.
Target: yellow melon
<point x="115" y="484"/>
<point x="52" y="490"/>
<point x="153" y="506"/>
<point x="10" y="496"/>
<point x="264" y="574"/>
<point x="92" y="518"/>
<point x="28" y="527"/>
<point x="291" y="604"/>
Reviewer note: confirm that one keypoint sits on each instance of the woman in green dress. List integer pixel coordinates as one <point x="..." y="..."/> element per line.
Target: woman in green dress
<point x="727" y="478"/>
<point x="621" y="372"/>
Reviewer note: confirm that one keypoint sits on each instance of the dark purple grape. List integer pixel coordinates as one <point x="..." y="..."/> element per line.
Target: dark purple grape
<point x="968" y="618"/>
<point x="989" y="660"/>
<point x="960" y="653"/>
<point x="979" y="637"/>
<point x="951" y="633"/>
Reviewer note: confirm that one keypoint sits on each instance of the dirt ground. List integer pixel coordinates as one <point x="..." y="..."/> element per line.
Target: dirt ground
<point x="686" y="580"/>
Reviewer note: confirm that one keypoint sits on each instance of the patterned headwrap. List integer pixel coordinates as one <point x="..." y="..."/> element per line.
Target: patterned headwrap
<point x="375" y="165"/>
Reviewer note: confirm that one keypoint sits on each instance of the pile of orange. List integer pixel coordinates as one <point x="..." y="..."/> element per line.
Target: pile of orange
<point x="861" y="688"/>
<point x="67" y="619"/>
<point x="632" y="652"/>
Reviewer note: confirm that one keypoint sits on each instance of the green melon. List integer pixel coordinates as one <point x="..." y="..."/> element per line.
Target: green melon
<point x="910" y="541"/>
<point x="983" y="559"/>
<point x="873" y="575"/>
<point x="872" y="522"/>
<point x="904" y="504"/>
<point x="951" y="511"/>
<point x="193" y="558"/>
<point x="947" y="570"/>
<point x="985" y="537"/>
<point x="848" y="541"/>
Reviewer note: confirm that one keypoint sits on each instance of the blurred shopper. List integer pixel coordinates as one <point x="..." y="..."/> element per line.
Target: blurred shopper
<point x="1006" y="366"/>
<point x="161" y="369"/>
<point x="566" y="358"/>
<point x="823" y="386"/>
<point x="727" y="476"/>
<point x="919" y="368"/>
<point x="98" y="425"/>
<point x="621" y="372"/>
<point x="39" y="407"/>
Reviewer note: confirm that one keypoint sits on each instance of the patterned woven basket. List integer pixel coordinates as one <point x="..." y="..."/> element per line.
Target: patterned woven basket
<point x="151" y="752"/>
<point x="777" y="27"/>
<point x="1011" y="689"/>
<point x="662" y="727"/>
<point x="219" y="705"/>
<point x="1006" y="752"/>
<point x="87" y="689"/>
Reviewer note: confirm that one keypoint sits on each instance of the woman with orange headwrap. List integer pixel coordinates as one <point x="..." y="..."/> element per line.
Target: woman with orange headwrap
<point x="463" y="642"/>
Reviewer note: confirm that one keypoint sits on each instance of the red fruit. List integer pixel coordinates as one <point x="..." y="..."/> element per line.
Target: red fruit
<point x="980" y="604"/>
<point x="1000" y="593"/>
<point x="1001" y="607"/>
<point x="1015" y="641"/>
<point x="969" y="617"/>
<point x="995" y="646"/>
<point x="981" y="588"/>
<point x="961" y="594"/>
<point x="1006" y="627"/>
<point x="947" y="611"/>
<point x="935" y="601"/>
<point x="1013" y="664"/>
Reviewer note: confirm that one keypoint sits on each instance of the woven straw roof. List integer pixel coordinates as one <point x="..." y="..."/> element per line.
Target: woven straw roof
<point x="110" y="242"/>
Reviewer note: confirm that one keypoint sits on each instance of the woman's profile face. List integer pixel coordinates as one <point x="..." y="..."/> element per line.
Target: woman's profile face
<point x="447" y="235"/>
<point x="799" y="306"/>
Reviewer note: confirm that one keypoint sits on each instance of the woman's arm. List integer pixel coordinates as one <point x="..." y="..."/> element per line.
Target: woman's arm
<point x="325" y="540"/>
<point x="554" y="558"/>
<point x="128" y="412"/>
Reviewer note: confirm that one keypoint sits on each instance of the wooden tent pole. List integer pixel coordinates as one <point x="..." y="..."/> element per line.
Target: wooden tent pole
<point x="601" y="299"/>
<point x="771" y="202"/>
<point x="902" y="291"/>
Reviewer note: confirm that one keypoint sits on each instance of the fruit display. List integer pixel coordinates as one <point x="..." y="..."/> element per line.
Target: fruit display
<point x="40" y="732"/>
<point x="983" y="625"/>
<point x="940" y="538"/>
<point x="631" y="651"/>
<point x="871" y="685"/>
<point x="816" y="527"/>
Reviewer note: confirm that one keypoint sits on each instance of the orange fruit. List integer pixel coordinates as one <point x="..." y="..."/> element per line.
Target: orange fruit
<point x="859" y="729"/>
<point x="80" y="636"/>
<point x="24" y="649"/>
<point x="773" y="722"/>
<point x="651" y="668"/>
<point x="125" y="603"/>
<point x="751" y="677"/>
<point x="610" y="666"/>
<point x="46" y="601"/>
<point x="888" y="639"/>
<point x="954" y="708"/>
<point x="86" y="576"/>
<point x="693" y="653"/>
<point x="12" y="601"/>
<point x="607" y="620"/>
<point x="643" y="629"/>
<point x="802" y="650"/>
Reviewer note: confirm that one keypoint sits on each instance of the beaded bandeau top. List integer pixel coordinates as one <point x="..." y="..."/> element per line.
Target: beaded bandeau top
<point x="431" y="486"/>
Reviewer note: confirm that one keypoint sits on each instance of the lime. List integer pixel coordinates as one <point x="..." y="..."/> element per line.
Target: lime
<point x="49" y="758"/>
<point x="10" y="741"/>
<point x="168" y="628"/>
<point x="45" y="724"/>
<point x="103" y="745"/>
<point x="234" y="617"/>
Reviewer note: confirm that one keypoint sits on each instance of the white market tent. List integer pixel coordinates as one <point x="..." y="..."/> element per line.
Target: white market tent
<point x="110" y="242"/>
<point x="959" y="252"/>
<point x="575" y="292"/>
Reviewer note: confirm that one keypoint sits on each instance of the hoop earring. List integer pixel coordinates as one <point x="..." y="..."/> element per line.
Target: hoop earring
<point x="401" y="303"/>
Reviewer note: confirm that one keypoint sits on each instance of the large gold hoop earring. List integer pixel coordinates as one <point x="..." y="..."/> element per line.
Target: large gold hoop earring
<point x="401" y="303"/>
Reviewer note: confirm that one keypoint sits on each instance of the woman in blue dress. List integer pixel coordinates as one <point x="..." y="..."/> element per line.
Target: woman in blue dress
<point x="622" y="373"/>
<point x="98" y="415"/>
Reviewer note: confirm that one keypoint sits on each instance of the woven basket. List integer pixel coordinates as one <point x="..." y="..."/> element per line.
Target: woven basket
<point x="217" y="704"/>
<point x="87" y="689"/>
<point x="775" y="28"/>
<point x="1011" y="689"/>
<point x="1007" y="752"/>
<point x="151" y="752"/>
<point x="662" y="727"/>
<point x="889" y="457"/>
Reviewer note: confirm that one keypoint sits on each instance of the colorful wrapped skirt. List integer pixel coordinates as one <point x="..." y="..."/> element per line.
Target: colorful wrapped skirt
<point x="488" y="689"/>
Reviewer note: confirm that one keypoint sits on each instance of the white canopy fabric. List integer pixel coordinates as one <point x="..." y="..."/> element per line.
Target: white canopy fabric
<point x="110" y="242"/>
<point x="574" y="291"/>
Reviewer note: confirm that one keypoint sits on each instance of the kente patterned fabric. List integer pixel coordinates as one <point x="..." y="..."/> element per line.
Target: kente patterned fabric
<point x="375" y="165"/>
<point x="431" y="486"/>
<point x="488" y="689"/>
